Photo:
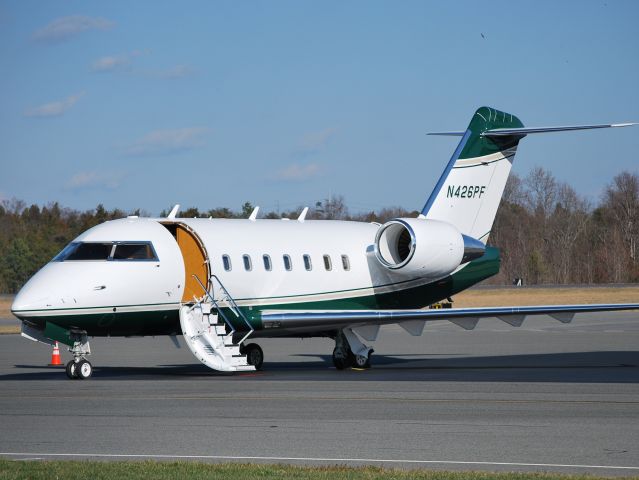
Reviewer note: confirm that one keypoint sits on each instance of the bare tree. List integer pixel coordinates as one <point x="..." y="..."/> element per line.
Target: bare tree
<point x="541" y="191"/>
<point x="622" y="201"/>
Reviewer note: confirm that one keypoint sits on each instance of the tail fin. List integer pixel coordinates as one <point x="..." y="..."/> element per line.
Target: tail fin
<point x="468" y="193"/>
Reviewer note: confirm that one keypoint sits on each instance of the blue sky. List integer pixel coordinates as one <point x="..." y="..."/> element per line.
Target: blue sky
<point x="213" y="103"/>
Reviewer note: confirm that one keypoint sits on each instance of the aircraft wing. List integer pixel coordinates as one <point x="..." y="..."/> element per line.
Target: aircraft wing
<point x="413" y="321"/>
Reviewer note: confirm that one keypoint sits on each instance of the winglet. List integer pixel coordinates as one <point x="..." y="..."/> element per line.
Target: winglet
<point x="302" y="216"/>
<point x="253" y="216"/>
<point x="174" y="212"/>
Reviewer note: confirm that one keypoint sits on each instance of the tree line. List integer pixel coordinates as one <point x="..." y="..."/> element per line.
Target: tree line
<point x="547" y="232"/>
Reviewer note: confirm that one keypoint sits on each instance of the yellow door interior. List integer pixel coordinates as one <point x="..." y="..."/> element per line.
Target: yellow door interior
<point x="194" y="263"/>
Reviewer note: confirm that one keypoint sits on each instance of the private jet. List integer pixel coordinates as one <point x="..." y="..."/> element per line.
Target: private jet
<point x="222" y="282"/>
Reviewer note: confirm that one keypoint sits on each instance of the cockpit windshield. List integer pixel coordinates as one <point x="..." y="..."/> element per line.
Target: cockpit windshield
<point x="111" y="251"/>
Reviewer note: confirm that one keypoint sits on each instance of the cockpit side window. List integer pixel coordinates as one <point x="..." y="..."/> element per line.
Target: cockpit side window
<point x="117" y="251"/>
<point x="134" y="251"/>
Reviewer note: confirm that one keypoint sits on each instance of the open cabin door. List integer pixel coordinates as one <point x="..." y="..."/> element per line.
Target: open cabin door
<point x="195" y="260"/>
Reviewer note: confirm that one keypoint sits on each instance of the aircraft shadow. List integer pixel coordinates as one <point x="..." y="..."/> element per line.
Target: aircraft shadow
<point x="581" y="367"/>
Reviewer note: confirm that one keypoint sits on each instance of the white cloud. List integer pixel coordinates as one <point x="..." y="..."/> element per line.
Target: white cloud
<point x="111" y="63"/>
<point x="298" y="173"/>
<point x="53" y="109"/>
<point x="65" y="28"/>
<point x="168" y="142"/>
<point x="85" y="180"/>
<point x="313" y="142"/>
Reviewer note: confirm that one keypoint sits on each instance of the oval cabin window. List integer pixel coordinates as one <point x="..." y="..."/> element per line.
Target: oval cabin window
<point x="247" y="263"/>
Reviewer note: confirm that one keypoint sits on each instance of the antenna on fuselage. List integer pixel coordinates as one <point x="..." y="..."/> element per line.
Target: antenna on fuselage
<point x="302" y="216"/>
<point x="253" y="215"/>
<point x="174" y="212"/>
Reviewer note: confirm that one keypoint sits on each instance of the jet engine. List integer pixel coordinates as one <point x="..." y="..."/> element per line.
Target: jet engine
<point x="420" y="247"/>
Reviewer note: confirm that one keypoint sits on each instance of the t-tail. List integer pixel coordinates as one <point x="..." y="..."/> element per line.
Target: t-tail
<point x="469" y="190"/>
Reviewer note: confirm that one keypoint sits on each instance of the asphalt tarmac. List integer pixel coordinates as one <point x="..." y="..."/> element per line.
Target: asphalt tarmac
<point x="543" y="397"/>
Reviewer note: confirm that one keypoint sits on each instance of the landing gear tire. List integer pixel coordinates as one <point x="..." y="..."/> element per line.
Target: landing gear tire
<point x="341" y="361"/>
<point x="362" y="361"/>
<point x="84" y="369"/>
<point x="72" y="370"/>
<point x="254" y="355"/>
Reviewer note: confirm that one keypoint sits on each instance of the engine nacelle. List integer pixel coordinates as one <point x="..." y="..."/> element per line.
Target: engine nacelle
<point x="420" y="247"/>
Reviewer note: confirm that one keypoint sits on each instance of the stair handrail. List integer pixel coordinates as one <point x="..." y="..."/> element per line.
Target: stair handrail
<point x="214" y="302"/>
<point x="234" y="308"/>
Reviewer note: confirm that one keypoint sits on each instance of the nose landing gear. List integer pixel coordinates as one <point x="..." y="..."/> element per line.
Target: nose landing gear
<point x="79" y="367"/>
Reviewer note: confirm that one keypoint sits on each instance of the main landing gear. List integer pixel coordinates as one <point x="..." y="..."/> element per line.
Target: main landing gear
<point x="254" y="355"/>
<point x="350" y="351"/>
<point x="79" y="367"/>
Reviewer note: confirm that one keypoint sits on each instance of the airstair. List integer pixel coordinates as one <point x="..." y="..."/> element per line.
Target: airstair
<point x="210" y="334"/>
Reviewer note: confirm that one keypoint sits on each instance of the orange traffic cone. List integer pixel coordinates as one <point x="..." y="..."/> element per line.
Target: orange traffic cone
<point x="55" y="357"/>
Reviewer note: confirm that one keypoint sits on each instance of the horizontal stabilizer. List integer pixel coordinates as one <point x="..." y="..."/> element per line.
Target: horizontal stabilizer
<point x="447" y="134"/>
<point x="507" y="132"/>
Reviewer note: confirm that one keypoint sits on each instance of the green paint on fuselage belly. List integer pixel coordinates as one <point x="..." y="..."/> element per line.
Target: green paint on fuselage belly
<point x="163" y="322"/>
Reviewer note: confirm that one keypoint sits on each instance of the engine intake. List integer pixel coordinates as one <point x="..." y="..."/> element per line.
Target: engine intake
<point x="423" y="247"/>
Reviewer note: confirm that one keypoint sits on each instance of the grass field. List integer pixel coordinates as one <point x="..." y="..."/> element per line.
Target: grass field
<point x="47" y="470"/>
<point x="485" y="297"/>
<point x="496" y="297"/>
<point x="5" y="307"/>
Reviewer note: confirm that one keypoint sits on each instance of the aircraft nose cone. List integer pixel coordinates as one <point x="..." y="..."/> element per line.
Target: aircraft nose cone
<point x="34" y="295"/>
<point x="23" y="301"/>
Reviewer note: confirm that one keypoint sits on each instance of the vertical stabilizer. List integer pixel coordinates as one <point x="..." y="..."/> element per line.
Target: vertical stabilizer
<point x="468" y="193"/>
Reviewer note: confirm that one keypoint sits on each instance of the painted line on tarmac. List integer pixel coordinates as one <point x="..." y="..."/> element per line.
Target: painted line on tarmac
<point x="314" y="459"/>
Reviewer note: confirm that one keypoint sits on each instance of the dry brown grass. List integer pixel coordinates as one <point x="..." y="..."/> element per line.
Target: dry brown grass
<point x="9" y="329"/>
<point x="5" y="307"/>
<point x="502" y="297"/>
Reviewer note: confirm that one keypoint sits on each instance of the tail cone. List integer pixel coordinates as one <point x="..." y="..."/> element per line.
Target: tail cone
<point x="56" y="361"/>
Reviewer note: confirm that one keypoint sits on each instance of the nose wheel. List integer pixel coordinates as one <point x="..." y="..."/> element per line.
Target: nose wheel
<point x="81" y="369"/>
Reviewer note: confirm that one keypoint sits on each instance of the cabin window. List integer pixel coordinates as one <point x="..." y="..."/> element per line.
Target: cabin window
<point x="134" y="251"/>
<point x="226" y="261"/>
<point x="346" y="264"/>
<point x="267" y="263"/>
<point x="85" y="251"/>
<point x="307" y="263"/>
<point x="327" y="263"/>
<point x="287" y="263"/>
<point x="247" y="263"/>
